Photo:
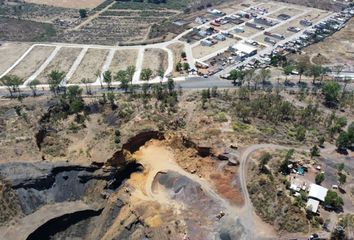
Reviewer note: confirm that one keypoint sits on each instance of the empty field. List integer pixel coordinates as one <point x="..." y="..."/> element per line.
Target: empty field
<point x="155" y="59"/>
<point x="122" y="59"/>
<point x="202" y="51"/>
<point x="9" y="53"/>
<point x="61" y="62"/>
<point x="288" y="11"/>
<point x="271" y="7"/>
<point x="90" y="64"/>
<point x="32" y="62"/>
<point x="177" y="49"/>
<point x="68" y="4"/>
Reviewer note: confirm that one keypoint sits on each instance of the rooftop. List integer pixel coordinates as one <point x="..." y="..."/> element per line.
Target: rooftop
<point x="317" y="192"/>
<point x="312" y="205"/>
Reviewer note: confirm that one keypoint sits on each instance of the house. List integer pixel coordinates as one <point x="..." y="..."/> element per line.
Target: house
<point x="318" y="192"/>
<point x="312" y="205"/>
<point x="239" y="30"/>
<point x="203" y="33"/>
<point x="283" y="17"/>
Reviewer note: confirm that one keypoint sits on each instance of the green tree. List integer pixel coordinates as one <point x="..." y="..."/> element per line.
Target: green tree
<point x="263" y="161"/>
<point x="338" y="233"/>
<point x="315" y="71"/>
<point x="146" y="74"/>
<point x="73" y="95"/>
<point x="315" y="151"/>
<point x="342" y="141"/>
<point x="161" y="73"/>
<point x="130" y="72"/>
<point x="122" y="77"/>
<point x="264" y="74"/>
<point x="342" y="178"/>
<point x="287" y="69"/>
<point x="183" y="55"/>
<point x="178" y="67"/>
<point x="351" y="133"/>
<point x="33" y="86"/>
<point x="12" y="83"/>
<point x="332" y="199"/>
<point x="86" y="82"/>
<point x="83" y="13"/>
<point x="145" y="88"/>
<point x="107" y="78"/>
<point x="185" y="66"/>
<point x="300" y="133"/>
<point x="321" y="141"/>
<point x="111" y="97"/>
<point x="170" y="86"/>
<point x="301" y="68"/>
<point x="331" y="92"/>
<point x="283" y="168"/>
<point x="54" y="80"/>
<point x="320" y="177"/>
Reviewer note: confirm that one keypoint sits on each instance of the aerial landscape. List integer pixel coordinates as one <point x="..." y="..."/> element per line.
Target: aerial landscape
<point x="181" y="120"/>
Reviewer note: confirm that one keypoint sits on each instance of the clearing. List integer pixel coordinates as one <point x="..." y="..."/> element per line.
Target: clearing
<point x="177" y="49"/>
<point x="155" y="59"/>
<point x="61" y="62"/>
<point x="9" y="53"/>
<point x="122" y="59"/>
<point x="68" y="4"/>
<point x="91" y="63"/>
<point x="32" y="61"/>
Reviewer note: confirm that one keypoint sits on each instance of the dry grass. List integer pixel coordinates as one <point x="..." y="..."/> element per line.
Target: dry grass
<point x="9" y="53"/>
<point x="61" y="62"/>
<point x="177" y="49"/>
<point x="90" y="64"/>
<point x="32" y="61"/>
<point x="155" y="59"/>
<point x="122" y="59"/>
<point x="202" y="51"/>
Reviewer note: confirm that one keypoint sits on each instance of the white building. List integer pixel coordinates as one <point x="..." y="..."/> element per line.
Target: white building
<point x="244" y="48"/>
<point x="317" y="192"/>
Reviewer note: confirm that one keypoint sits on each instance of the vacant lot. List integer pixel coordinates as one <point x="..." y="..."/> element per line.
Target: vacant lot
<point x="9" y="53"/>
<point x="248" y="32"/>
<point x="155" y="59"/>
<point x="122" y="59"/>
<point x="202" y="51"/>
<point x="32" y="61"/>
<point x="68" y="4"/>
<point x="288" y="11"/>
<point x="61" y="62"/>
<point x="336" y="49"/>
<point x="92" y="62"/>
<point x="177" y="49"/>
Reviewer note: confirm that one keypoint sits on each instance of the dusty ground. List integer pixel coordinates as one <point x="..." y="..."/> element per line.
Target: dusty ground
<point x="177" y="50"/>
<point x="289" y="11"/>
<point x="336" y="49"/>
<point x="90" y="64"/>
<point x="61" y="62"/>
<point x="32" y="62"/>
<point x="155" y="59"/>
<point x="202" y="51"/>
<point x="9" y="53"/>
<point x="68" y="4"/>
<point x="123" y="59"/>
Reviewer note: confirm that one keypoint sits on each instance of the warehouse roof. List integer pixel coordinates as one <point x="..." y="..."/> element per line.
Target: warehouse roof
<point x="244" y="48"/>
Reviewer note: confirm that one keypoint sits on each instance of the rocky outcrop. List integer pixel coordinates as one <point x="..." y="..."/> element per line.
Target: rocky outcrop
<point x="133" y="144"/>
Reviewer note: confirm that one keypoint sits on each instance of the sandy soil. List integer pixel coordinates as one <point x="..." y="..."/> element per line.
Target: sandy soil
<point x="32" y="62"/>
<point x="91" y="63"/>
<point x="122" y="59"/>
<point x="202" y="51"/>
<point x="61" y="62"/>
<point x="155" y="59"/>
<point x="68" y="4"/>
<point x="271" y="6"/>
<point x="9" y="53"/>
<point x="177" y="49"/>
<point x="248" y="31"/>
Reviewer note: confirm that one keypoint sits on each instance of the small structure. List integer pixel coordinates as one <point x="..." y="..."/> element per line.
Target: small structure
<point x="220" y="37"/>
<point x="312" y="205"/>
<point x="200" y="20"/>
<point x="318" y="192"/>
<point x="283" y="17"/>
<point x="206" y="43"/>
<point x="239" y="30"/>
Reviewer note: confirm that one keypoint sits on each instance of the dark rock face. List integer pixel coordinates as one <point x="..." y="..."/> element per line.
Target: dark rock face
<point x="133" y="144"/>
